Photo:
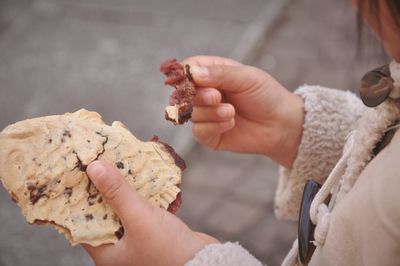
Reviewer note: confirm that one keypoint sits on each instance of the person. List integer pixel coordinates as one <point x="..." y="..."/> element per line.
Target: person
<point x="315" y="133"/>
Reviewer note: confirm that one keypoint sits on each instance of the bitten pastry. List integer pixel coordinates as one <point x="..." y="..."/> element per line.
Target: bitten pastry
<point x="181" y="100"/>
<point x="43" y="166"/>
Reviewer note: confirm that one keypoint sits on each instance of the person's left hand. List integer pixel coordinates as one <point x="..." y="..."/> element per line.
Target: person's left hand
<point x="152" y="236"/>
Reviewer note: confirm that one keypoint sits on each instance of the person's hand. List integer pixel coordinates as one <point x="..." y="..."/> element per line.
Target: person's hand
<point x="152" y="235"/>
<point x="243" y="109"/>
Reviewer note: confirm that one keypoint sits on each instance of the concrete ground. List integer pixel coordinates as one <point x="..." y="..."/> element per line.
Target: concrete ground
<point x="58" y="56"/>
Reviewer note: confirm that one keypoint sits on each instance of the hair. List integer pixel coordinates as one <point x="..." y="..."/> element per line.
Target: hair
<point x="374" y="7"/>
<point x="394" y="8"/>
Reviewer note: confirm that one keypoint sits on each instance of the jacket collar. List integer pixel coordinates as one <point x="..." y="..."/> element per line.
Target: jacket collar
<point x="369" y="131"/>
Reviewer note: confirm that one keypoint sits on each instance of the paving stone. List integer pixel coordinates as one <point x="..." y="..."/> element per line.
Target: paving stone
<point x="258" y="188"/>
<point x="231" y="218"/>
<point x="316" y="43"/>
<point x="267" y="238"/>
<point x="196" y="206"/>
<point x="216" y="171"/>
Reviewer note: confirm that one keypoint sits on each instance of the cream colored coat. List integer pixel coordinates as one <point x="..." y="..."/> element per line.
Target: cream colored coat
<point x="364" y="227"/>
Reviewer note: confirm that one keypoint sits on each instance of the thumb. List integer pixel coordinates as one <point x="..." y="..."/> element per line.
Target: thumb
<point x="123" y="199"/>
<point x="227" y="78"/>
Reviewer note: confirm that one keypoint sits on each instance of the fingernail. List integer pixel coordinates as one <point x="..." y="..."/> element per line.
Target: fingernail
<point x="95" y="170"/>
<point x="199" y="72"/>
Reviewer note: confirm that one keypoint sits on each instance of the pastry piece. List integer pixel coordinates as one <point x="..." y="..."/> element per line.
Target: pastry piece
<point x="181" y="100"/>
<point x="43" y="166"/>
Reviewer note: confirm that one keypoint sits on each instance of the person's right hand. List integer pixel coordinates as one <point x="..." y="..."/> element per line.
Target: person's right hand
<point x="243" y="109"/>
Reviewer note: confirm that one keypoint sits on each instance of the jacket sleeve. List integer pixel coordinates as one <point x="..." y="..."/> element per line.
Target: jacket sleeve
<point x="224" y="254"/>
<point x="330" y="115"/>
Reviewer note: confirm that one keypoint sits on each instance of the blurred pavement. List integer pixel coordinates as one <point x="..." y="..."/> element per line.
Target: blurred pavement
<point x="58" y="56"/>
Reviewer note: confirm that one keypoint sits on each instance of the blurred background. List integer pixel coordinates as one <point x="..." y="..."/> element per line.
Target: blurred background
<point x="59" y="56"/>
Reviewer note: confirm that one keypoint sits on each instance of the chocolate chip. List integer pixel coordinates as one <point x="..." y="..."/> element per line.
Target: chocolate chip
<point x="50" y="140"/>
<point x="120" y="165"/>
<point x="35" y="193"/>
<point x="130" y="171"/>
<point x="79" y="165"/>
<point x="89" y="217"/>
<point x="93" y="193"/>
<point x="68" y="192"/>
<point x="119" y="233"/>
<point x="100" y="200"/>
<point x="67" y="133"/>
<point x="36" y="198"/>
<point x="105" y="217"/>
<point x="30" y="187"/>
<point x="100" y="134"/>
<point x="93" y="196"/>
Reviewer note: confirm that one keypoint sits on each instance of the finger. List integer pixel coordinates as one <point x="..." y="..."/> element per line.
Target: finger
<point x="96" y="252"/>
<point x="123" y="199"/>
<point x="205" y="60"/>
<point x="206" y="238"/>
<point x="207" y="96"/>
<point x="220" y="113"/>
<point x="209" y="133"/>
<point x="227" y="78"/>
